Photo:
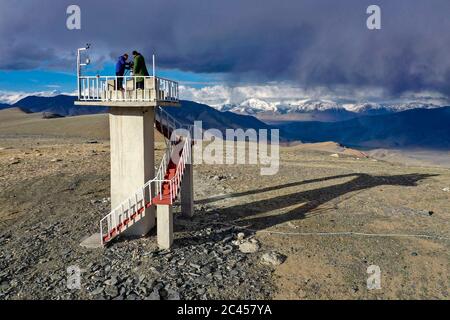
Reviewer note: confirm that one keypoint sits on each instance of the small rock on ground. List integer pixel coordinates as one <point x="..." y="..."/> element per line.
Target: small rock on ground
<point x="240" y="236"/>
<point x="334" y="155"/>
<point x="249" y="247"/>
<point x="273" y="258"/>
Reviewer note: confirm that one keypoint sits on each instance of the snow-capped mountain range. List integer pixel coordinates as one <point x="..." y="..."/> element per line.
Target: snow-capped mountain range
<point x="254" y="106"/>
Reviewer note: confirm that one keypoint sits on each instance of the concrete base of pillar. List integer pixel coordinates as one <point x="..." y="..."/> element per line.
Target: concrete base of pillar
<point x="92" y="242"/>
<point x="187" y="191"/>
<point x="164" y="228"/>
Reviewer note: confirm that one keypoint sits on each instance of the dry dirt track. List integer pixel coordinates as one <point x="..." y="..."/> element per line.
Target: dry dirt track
<point x="54" y="190"/>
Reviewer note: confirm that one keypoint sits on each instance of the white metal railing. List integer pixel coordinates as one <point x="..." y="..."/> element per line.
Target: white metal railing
<point x="112" y="224"/>
<point x="170" y="123"/>
<point x="127" y="89"/>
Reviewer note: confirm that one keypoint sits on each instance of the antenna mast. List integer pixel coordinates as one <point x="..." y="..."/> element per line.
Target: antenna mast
<point x="154" y="67"/>
<point x="79" y="65"/>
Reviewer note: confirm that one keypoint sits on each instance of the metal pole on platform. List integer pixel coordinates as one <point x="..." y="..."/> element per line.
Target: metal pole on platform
<point x="154" y="72"/>
<point x="79" y="65"/>
<point x="78" y="73"/>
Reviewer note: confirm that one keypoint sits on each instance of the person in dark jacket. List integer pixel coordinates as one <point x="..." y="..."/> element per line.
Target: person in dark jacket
<point x="121" y="66"/>
<point x="139" y="69"/>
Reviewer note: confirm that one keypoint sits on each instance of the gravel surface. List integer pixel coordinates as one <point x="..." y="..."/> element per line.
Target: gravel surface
<point x="242" y="242"/>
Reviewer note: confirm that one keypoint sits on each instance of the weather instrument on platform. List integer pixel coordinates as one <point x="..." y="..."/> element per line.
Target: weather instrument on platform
<point x="80" y="64"/>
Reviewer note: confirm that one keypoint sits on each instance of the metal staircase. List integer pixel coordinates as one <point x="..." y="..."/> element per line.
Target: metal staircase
<point x="164" y="188"/>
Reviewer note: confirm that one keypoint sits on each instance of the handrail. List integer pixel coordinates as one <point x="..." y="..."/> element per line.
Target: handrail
<point x="160" y="114"/>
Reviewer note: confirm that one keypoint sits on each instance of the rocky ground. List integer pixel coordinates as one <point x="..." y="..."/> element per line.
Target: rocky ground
<point x="53" y="193"/>
<point x="252" y="236"/>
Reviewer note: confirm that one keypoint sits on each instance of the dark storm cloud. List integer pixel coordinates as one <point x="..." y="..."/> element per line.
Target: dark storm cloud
<point x="311" y="42"/>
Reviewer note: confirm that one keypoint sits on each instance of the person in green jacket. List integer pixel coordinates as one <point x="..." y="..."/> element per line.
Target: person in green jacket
<point x="139" y="69"/>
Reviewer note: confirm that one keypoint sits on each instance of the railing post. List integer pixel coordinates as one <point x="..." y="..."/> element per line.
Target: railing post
<point x="88" y="89"/>
<point x="115" y="86"/>
<point x="107" y="89"/>
<point x="135" y="88"/>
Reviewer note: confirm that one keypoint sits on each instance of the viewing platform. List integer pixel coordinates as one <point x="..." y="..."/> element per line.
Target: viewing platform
<point x="127" y="91"/>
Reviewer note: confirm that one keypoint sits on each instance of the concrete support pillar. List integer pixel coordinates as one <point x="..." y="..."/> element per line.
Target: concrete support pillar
<point x="187" y="191"/>
<point x="132" y="160"/>
<point x="164" y="228"/>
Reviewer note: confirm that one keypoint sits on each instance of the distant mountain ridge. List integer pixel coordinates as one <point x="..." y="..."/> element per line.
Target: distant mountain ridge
<point x="254" y="106"/>
<point x="211" y="118"/>
<point x="424" y="127"/>
<point x="189" y="112"/>
<point x="428" y="128"/>
<point x="316" y="109"/>
<point x="60" y="104"/>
